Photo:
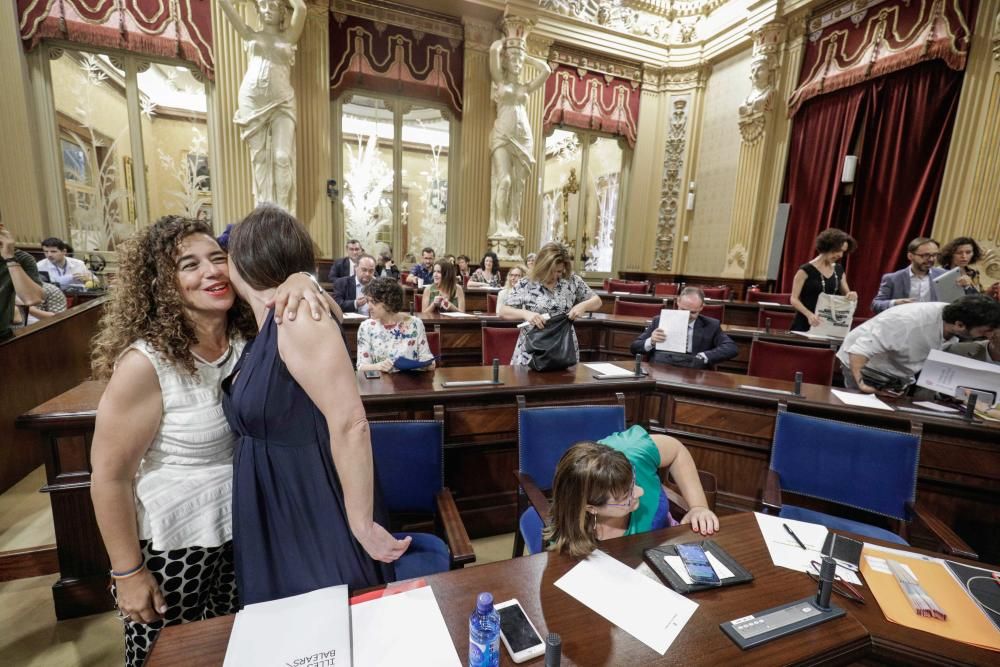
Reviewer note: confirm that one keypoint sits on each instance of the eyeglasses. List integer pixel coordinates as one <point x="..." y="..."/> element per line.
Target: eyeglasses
<point x="927" y="255"/>
<point x="631" y="497"/>
<point x="840" y="587"/>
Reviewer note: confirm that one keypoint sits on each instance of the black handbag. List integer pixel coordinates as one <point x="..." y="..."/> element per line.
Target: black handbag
<point x="884" y="381"/>
<point x="551" y="347"/>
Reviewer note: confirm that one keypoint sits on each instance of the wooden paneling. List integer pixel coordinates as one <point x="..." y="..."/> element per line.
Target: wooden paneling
<point x="40" y="362"/>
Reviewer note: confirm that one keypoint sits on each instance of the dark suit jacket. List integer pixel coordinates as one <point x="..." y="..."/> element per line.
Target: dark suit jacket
<point x="340" y="268"/>
<point x="345" y="291"/>
<point x="707" y="337"/>
<point x="896" y="285"/>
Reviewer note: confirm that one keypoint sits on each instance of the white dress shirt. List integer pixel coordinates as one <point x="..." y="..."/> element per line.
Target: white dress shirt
<point x="897" y="340"/>
<point x="920" y="288"/>
<point x="359" y="291"/>
<point x="64" y="276"/>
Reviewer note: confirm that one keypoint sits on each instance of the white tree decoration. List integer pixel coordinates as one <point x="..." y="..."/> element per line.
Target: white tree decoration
<point x="433" y="193"/>
<point x="368" y="177"/>
<point x="600" y="251"/>
<point x="97" y="220"/>
<point x="191" y="193"/>
<point x="550" y="215"/>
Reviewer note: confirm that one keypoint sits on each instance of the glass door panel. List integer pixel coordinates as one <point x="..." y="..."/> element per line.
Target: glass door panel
<point x="597" y="229"/>
<point x="423" y="208"/>
<point x="561" y="187"/>
<point x="367" y="136"/>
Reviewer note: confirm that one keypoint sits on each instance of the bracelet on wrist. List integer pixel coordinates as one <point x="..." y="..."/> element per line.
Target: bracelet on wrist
<point x="315" y="281"/>
<point x="128" y="573"/>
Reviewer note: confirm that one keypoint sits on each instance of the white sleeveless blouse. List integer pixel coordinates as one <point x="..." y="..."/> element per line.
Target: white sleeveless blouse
<point x="184" y="485"/>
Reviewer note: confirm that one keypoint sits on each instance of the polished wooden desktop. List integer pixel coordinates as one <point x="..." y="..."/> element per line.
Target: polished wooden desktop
<point x="863" y="635"/>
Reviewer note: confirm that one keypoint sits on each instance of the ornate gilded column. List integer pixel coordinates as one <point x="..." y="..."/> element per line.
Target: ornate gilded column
<point x="531" y="216"/>
<point x="469" y="214"/>
<point x="21" y="203"/>
<point x="311" y="79"/>
<point x="969" y="204"/>
<point x="757" y="117"/>
<point x="232" y="185"/>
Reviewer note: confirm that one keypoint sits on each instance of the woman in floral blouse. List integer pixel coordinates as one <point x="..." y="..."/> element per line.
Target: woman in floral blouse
<point x="488" y="273"/>
<point x="551" y="288"/>
<point x="389" y="334"/>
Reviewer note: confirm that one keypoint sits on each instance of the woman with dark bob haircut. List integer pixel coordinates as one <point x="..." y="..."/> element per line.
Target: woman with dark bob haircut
<point x="963" y="252"/>
<point x="821" y="275"/>
<point x="612" y="488"/>
<point x="162" y="456"/>
<point x="390" y="334"/>
<point x="304" y="515"/>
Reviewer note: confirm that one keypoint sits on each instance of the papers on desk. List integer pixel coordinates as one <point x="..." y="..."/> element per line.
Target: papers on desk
<point x="784" y="550"/>
<point x="815" y="336"/>
<point x="771" y="303"/>
<point x="860" y="400"/>
<point x="610" y="370"/>
<point x="355" y="316"/>
<point x="292" y="630"/>
<point x="674" y="323"/>
<point x="647" y="610"/>
<point x="455" y="314"/>
<point x="935" y="406"/>
<point x="946" y="372"/>
<point x="319" y="628"/>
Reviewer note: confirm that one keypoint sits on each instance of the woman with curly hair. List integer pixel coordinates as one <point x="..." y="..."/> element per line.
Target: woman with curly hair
<point x="162" y="456"/>
<point x="390" y="334"/>
<point x="963" y="252"/>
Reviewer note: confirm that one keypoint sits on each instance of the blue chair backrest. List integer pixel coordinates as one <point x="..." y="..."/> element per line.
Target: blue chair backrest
<point x="868" y="468"/>
<point x="544" y="434"/>
<point x="409" y="467"/>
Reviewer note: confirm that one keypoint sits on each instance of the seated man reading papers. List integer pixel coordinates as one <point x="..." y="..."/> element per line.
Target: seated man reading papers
<point x="707" y="345"/>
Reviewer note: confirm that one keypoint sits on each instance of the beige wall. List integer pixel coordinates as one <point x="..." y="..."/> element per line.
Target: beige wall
<point x="715" y="178"/>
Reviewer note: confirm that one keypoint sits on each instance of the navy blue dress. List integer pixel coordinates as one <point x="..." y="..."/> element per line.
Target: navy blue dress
<point x="290" y="530"/>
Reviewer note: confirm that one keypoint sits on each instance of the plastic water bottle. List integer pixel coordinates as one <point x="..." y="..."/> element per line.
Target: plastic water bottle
<point x="484" y="633"/>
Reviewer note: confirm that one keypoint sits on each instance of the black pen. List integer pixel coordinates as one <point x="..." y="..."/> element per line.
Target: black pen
<point x="794" y="536"/>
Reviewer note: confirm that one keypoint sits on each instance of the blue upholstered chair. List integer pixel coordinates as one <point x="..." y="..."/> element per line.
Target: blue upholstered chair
<point x="543" y="435"/>
<point x="870" y="473"/>
<point x="409" y="471"/>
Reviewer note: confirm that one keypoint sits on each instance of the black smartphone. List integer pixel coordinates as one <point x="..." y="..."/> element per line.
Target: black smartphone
<point x="696" y="563"/>
<point x="373" y="375"/>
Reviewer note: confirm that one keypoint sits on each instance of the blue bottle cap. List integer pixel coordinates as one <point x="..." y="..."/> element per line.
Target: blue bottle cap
<point x="484" y="603"/>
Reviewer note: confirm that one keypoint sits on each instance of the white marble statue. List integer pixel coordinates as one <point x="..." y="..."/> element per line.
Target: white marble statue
<point x="511" y="143"/>
<point x="266" y="111"/>
<point x="761" y="88"/>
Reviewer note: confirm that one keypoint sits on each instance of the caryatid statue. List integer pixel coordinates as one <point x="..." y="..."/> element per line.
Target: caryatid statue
<point x="512" y="146"/>
<point x="266" y="111"/>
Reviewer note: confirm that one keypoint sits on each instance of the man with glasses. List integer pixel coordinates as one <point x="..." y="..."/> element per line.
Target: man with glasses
<point x="913" y="284"/>
<point x="347" y="265"/>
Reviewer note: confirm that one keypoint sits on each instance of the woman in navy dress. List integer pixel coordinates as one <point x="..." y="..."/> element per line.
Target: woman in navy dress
<point x="304" y="514"/>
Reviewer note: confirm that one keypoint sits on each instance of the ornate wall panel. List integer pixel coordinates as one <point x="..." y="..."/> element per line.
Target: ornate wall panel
<point x="863" y="39"/>
<point x="375" y="55"/>
<point x="169" y="28"/>
<point x="672" y="190"/>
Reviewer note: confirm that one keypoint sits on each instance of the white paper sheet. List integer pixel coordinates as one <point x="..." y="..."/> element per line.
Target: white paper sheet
<point x="785" y="551"/>
<point x="292" y="631"/>
<point x="860" y="400"/>
<point x="677" y="565"/>
<point x="816" y="336"/>
<point x="419" y="633"/>
<point x="946" y="372"/>
<point x="771" y="303"/>
<point x="647" y="610"/>
<point x="934" y="406"/>
<point x="674" y="323"/>
<point x="456" y="314"/>
<point x="610" y="370"/>
<point x="355" y="316"/>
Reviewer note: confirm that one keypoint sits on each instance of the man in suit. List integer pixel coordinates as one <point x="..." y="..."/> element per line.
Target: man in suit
<point x="912" y="284"/>
<point x="346" y="266"/>
<point x="707" y="344"/>
<point x="348" y="291"/>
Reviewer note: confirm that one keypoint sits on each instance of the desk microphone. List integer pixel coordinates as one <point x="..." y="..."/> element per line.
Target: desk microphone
<point x="826" y="574"/>
<point x="638" y="365"/>
<point x="970" y="406"/>
<point x="798" y="383"/>
<point x="553" y="650"/>
<point x="496" y="371"/>
<point x="767" y="325"/>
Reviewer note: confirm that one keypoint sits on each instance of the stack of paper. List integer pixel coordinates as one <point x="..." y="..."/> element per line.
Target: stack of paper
<point x="674" y="324"/>
<point x="610" y="370"/>
<point x="860" y="400"/>
<point x="646" y="609"/>
<point x="786" y="552"/>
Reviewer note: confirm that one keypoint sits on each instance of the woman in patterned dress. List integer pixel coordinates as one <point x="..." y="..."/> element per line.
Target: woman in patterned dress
<point x="551" y="288"/>
<point x="390" y="334"/>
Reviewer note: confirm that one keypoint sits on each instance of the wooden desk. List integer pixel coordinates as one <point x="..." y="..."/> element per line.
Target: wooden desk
<point x="728" y="431"/>
<point x="588" y="639"/>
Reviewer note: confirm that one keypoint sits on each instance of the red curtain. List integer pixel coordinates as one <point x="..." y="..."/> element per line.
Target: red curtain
<point x="898" y="180"/>
<point x="580" y="98"/>
<point x="907" y="119"/>
<point x="822" y="135"/>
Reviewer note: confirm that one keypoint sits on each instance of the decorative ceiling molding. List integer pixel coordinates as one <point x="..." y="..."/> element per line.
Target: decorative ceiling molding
<point x="852" y="8"/>
<point x="602" y="64"/>
<point x="663" y="79"/>
<point x="654" y="19"/>
<point x="479" y="34"/>
<point x="405" y="16"/>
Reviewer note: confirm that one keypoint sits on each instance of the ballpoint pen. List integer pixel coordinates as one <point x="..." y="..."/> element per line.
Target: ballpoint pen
<point x="794" y="536"/>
